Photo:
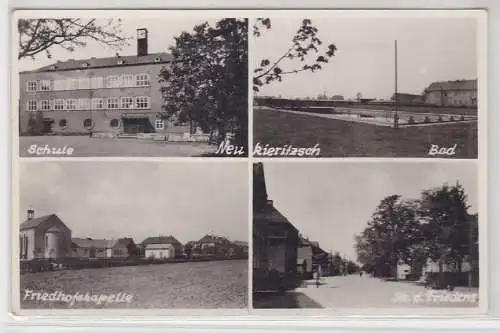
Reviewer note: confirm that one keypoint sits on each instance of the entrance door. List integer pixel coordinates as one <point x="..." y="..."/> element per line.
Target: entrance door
<point x="47" y="125"/>
<point x="138" y="125"/>
<point x="92" y="252"/>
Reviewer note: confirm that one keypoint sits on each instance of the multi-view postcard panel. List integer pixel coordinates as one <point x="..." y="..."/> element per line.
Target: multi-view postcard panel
<point x="366" y="86"/>
<point x="111" y="239"/>
<point x="365" y="236"/>
<point x="161" y="87"/>
<point x="296" y="222"/>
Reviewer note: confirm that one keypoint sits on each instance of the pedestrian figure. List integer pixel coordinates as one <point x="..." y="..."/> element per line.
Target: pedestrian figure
<point x="361" y="274"/>
<point x="396" y="120"/>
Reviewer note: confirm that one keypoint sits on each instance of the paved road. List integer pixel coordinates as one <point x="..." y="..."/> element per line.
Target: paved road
<point x="354" y="291"/>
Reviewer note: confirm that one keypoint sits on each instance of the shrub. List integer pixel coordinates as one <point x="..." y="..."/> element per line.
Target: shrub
<point x="427" y="119"/>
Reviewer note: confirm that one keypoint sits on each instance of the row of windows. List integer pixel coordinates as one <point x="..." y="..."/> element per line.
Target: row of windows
<point x="98" y="82"/>
<point x="112" y="103"/>
<point x="115" y="123"/>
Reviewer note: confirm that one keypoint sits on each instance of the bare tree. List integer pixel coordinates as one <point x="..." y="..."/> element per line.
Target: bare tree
<point x="40" y="35"/>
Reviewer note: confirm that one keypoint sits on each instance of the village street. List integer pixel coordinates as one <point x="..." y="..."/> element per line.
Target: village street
<point x="367" y="292"/>
<point x="353" y="291"/>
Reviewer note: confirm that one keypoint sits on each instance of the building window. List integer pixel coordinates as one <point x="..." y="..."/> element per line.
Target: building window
<point x="59" y="104"/>
<point x="83" y="83"/>
<point x="142" y="80"/>
<point x="97" y="82"/>
<point x="83" y="104"/>
<point x="114" y="123"/>
<point x="127" y="103"/>
<point x="31" y="105"/>
<point x="113" y="82"/>
<point x="63" y="123"/>
<point x="127" y="80"/>
<point x="60" y="84"/>
<point x="45" y="85"/>
<point x="97" y="104"/>
<point x="88" y="123"/>
<point x="113" y="103"/>
<point x="159" y="124"/>
<point x="142" y="102"/>
<point x="31" y="86"/>
<point x="71" y="104"/>
<point x="45" y="105"/>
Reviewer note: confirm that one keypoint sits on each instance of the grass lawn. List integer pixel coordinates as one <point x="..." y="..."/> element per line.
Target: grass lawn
<point x="338" y="138"/>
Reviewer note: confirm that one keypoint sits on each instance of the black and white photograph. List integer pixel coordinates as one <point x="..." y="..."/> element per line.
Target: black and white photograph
<point x="145" y="84"/>
<point x="367" y="84"/>
<point x="135" y="235"/>
<point x="384" y="236"/>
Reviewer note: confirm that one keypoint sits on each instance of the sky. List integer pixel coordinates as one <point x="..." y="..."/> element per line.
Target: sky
<point x="140" y="199"/>
<point x="161" y="33"/>
<point x="432" y="48"/>
<point x="332" y="202"/>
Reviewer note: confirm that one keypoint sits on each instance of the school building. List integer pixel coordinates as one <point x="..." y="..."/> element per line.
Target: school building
<point x="118" y="95"/>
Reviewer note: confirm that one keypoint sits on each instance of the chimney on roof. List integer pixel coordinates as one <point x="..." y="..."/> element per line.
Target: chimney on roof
<point x="142" y="42"/>
<point x="31" y="214"/>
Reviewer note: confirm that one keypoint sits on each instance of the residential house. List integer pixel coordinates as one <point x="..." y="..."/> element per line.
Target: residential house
<point x="275" y="241"/>
<point x="218" y="246"/>
<point x="452" y="93"/>
<point x="44" y="237"/>
<point x="100" y="248"/>
<point x="160" y="251"/>
<point x="164" y="240"/>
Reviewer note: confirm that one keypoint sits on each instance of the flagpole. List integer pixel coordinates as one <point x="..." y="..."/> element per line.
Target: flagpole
<point x="396" y="116"/>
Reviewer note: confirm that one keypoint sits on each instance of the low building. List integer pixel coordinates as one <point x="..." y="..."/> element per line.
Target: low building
<point x="242" y="246"/>
<point x="305" y="258"/>
<point x="163" y="240"/>
<point x="405" y="98"/>
<point x="403" y="271"/>
<point x="45" y="237"/>
<point x="159" y="251"/>
<point x="452" y="93"/>
<point x="99" y="248"/>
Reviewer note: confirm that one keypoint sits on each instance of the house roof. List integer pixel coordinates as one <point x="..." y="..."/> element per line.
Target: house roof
<point x="240" y="243"/>
<point x="97" y="243"/>
<point x="36" y="222"/>
<point x="159" y="246"/>
<point x="73" y="64"/>
<point x="161" y="240"/>
<point x="452" y="85"/>
<point x="213" y="239"/>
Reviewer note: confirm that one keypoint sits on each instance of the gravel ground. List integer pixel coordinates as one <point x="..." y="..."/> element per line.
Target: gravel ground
<point x="217" y="284"/>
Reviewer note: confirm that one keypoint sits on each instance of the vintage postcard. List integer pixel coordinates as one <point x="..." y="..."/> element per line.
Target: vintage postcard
<point x="368" y="84"/>
<point x="94" y="83"/>
<point x="356" y="237"/>
<point x="135" y="235"/>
